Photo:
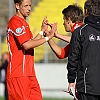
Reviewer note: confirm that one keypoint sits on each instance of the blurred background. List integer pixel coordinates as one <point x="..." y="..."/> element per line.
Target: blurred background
<point x="51" y="71"/>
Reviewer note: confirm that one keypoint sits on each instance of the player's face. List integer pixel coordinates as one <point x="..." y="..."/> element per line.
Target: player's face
<point x="25" y="8"/>
<point x="67" y="24"/>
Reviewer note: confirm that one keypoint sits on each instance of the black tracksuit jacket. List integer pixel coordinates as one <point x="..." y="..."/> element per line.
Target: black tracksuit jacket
<point x="84" y="57"/>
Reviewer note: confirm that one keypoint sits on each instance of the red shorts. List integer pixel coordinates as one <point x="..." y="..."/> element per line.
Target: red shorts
<point x="23" y="88"/>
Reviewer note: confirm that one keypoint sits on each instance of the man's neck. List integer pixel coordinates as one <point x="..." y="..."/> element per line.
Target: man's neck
<point x="19" y="15"/>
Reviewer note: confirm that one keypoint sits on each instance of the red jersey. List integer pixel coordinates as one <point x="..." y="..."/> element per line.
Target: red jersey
<point x="21" y="61"/>
<point x="65" y="51"/>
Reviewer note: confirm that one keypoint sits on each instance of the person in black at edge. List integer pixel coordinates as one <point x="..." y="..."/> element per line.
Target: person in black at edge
<point x="3" y="67"/>
<point x="84" y="56"/>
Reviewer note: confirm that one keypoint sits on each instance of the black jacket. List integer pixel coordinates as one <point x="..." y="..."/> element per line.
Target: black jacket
<point x="84" y="57"/>
<point x="3" y="69"/>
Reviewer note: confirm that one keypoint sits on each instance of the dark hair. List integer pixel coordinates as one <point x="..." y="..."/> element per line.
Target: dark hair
<point x="18" y="1"/>
<point x="75" y="13"/>
<point x="93" y="7"/>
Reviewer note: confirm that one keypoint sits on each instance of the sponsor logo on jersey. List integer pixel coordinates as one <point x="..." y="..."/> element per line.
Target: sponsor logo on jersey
<point x="92" y="37"/>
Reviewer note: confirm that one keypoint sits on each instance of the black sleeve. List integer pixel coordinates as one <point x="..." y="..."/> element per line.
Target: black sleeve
<point x="74" y="56"/>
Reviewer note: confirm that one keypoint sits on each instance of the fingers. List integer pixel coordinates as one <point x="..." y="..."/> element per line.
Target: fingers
<point x="45" y="21"/>
<point x="45" y="24"/>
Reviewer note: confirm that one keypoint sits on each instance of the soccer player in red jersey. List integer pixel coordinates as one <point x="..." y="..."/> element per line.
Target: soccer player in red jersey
<point x="73" y="18"/>
<point x="21" y="79"/>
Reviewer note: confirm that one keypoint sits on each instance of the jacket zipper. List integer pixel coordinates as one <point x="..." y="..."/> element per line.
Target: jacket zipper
<point x="85" y="79"/>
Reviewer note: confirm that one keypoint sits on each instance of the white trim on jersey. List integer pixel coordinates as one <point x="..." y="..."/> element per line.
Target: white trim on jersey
<point x="16" y="34"/>
<point x="23" y="61"/>
<point x="10" y="52"/>
<point x="9" y="30"/>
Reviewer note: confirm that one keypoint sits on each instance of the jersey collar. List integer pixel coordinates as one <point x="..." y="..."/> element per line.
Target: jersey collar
<point x="76" y="25"/>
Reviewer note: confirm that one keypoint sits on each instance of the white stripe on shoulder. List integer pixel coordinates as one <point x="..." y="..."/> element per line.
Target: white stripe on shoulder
<point x="82" y="28"/>
<point x="9" y="30"/>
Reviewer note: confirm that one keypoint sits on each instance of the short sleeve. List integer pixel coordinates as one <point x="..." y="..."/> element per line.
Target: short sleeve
<point x="64" y="52"/>
<point x="21" y="31"/>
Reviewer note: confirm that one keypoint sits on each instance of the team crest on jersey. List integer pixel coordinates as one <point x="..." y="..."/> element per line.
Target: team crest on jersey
<point x="19" y="30"/>
<point x="92" y="37"/>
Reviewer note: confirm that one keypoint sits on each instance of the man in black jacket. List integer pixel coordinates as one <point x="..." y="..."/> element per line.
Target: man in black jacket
<point x="84" y="56"/>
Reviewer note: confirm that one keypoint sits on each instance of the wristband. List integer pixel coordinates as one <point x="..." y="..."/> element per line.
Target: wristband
<point x="41" y="32"/>
<point x="46" y="38"/>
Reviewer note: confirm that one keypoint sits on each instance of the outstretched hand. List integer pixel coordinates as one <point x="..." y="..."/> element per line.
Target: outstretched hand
<point x="49" y="29"/>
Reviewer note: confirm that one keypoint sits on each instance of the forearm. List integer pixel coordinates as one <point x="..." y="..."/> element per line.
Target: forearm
<point x="56" y="49"/>
<point x="33" y="43"/>
<point x="63" y="37"/>
<point x="71" y="73"/>
<point x="39" y="35"/>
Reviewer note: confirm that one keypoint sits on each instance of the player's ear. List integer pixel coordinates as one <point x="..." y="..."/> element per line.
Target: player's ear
<point x="69" y="20"/>
<point x="86" y="12"/>
<point x="17" y="6"/>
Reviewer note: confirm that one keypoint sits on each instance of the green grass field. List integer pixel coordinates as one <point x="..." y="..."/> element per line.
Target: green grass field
<point x="56" y="99"/>
<point x="2" y="98"/>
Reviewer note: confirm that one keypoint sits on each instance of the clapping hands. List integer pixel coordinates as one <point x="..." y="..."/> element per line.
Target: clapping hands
<point x="49" y="29"/>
